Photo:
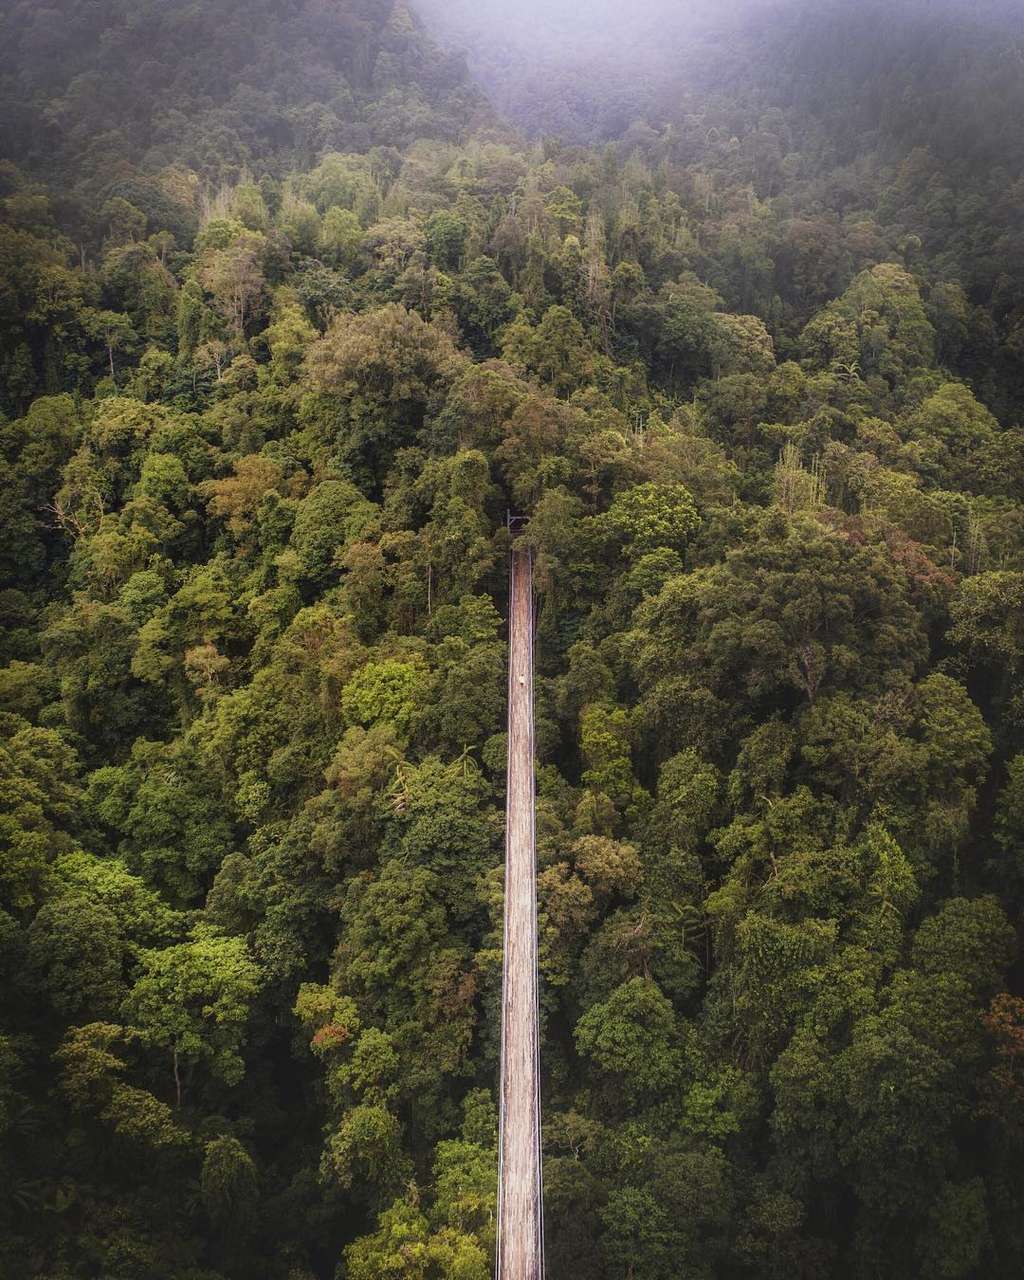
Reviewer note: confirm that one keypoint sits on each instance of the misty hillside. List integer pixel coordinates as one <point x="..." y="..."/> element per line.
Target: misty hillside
<point x="92" y="87"/>
<point x="866" y="72"/>
<point x="298" y="302"/>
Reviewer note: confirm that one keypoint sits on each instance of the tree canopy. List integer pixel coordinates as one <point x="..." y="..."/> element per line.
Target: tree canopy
<point x="291" y="320"/>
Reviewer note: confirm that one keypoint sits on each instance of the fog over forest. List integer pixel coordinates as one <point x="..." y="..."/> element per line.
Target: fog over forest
<point x="581" y="68"/>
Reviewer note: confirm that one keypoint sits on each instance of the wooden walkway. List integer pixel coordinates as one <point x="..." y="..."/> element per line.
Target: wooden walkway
<point x="520" y="1183"/>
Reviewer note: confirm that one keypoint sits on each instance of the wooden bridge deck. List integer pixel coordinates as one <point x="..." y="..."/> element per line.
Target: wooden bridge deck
<point x="520" y="1182"/>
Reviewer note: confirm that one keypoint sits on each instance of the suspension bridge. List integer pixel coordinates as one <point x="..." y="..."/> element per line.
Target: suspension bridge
<point x="520" y="1253"/>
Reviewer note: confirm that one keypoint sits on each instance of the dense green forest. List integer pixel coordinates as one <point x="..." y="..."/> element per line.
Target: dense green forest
<point x="291" y="317"/>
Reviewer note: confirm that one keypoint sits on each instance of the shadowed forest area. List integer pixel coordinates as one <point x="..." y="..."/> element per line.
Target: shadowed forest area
<point x="296" y="303"/>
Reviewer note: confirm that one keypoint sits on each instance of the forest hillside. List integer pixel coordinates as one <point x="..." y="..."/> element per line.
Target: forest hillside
<point x="296" y="304"/>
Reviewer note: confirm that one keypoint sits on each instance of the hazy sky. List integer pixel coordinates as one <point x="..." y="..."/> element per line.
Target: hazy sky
<point x="578" y="26"/>
<point x="570" y="21"/>
<point x="623" y="36"/>
<point x="559" y="65"/>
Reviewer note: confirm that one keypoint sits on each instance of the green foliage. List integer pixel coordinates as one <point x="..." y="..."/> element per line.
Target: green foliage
<point x="229" y="1182"/>
<point x="630" y="1038"/>
<point x="389" y="691"/>
<point x="41" y="810"/>
<point x="332" y="514"/>
<point x="650" y="516"/>
<point x="289" y="324"/>
<point x="194" y="999"/>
